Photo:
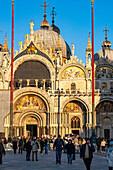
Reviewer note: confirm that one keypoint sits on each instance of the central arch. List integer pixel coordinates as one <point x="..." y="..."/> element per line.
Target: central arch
<point x="33" y="123"/>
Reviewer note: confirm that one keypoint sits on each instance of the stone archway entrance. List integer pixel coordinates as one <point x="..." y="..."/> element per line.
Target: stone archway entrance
<point x="77" y="116"/>
<point x="104" y="111"/>
<point x="31" y="126"/>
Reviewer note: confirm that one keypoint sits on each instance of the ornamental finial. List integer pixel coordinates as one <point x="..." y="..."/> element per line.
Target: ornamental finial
<point x="92" y="2"/>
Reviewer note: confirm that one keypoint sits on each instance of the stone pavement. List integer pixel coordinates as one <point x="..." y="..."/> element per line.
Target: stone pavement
<point x="47" y="162"/>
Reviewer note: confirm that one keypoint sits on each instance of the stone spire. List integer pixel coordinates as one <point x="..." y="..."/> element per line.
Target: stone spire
<point x="88" y="51"/>
<point x="89" y="46"/>
<point x="5" y="48"/>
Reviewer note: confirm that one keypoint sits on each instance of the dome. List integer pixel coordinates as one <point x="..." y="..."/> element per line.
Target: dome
<point x="50" y="39"/>
<point x="106" y="44"/>
<point x="44" y="23"/>
<point x="55" y="28"/>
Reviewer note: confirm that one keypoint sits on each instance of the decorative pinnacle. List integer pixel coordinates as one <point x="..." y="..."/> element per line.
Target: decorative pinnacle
<point x="106" y="32"/>
<point x="92" y="2"/>
<point x="53" y="14"/>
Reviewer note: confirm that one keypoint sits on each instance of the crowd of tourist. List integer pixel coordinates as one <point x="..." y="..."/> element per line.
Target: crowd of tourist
<point x="71" y="145"/>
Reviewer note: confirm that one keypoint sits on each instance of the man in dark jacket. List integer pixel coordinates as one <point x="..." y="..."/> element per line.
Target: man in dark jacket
<point x="86" y="153"/>
<point x="59" y="144"/>
<point x="2" y="151"/>
<point x="70" y="151"/>
<point x="28" y="150"/>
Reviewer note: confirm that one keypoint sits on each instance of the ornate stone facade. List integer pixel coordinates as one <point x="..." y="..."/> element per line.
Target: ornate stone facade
<point x="51" y="86"/>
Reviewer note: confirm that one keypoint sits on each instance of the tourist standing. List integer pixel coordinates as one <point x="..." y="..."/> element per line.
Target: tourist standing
<point x="41" y="146"/>
<point x="28" y="150"/>
<point x="14" y="145"/>
<point x="70" y="151"/>
<point x="20" y="146"/>
<point x="2" y="151"/>
<point x="46" y="144"/>
<point x="98" y="142"/>
<point x="86" y="153"/>
<point x="110" y="156"/>
<point x="5" y="143"/>
<point x="58" y="146"/>
<point x="35" y="147"/>
<point x="103" y="145"/>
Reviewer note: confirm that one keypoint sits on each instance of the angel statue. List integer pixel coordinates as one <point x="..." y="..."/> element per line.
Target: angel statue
<point x="73" y="49"/>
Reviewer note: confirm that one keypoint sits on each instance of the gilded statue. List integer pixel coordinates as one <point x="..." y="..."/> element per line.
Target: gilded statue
<point x="31" y="27"/>
<point x="73" y="49"/>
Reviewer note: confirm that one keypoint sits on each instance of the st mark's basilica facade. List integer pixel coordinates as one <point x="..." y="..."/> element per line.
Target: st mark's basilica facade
<point x="49" y="80"/>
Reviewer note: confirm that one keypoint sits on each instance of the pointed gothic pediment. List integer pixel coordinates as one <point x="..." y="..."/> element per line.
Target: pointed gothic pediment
<point x="32" y="49"/>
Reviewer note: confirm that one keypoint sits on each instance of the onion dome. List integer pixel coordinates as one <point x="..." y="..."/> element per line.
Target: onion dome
<point x="44" y="24"/>
<point x="55" y="28"/>
<point x="106" y="43"/>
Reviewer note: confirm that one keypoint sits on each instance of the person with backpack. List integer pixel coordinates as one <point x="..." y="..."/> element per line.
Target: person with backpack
<point x="70" y="151"/>
<point x="58" y="146"/>
<point x="35" y="147"/>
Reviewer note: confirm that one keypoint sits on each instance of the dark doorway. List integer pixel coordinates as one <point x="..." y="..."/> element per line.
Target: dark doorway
<point x="75" y="132"/>
<point x="106" y="133"/>
<point x="32" y="129"/>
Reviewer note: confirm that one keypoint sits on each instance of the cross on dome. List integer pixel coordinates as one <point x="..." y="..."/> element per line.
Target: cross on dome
<point x="44" y="7"/>
<point x="106" y="32"/>
<point x="53" y="14"/>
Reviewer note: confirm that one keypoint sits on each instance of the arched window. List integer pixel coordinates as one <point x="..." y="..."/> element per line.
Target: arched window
<point x="75" y="122"/>
<point x="73" y="86"/>
<point x="32" y="70"/>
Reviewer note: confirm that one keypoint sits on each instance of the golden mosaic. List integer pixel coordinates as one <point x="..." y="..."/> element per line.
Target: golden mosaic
<point x="30" y="101"/>
<point x="72" y="72"/>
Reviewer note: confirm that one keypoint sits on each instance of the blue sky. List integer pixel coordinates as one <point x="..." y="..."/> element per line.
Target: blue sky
<point x="73" y="18"/>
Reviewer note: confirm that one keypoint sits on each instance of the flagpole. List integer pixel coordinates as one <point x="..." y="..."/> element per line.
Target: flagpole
<point x="11" y="91"/>
<point x="93" y="82"/>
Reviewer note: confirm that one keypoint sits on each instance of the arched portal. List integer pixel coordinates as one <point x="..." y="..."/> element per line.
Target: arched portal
<point x="32" y="124"/>
<point x="30" y="118"/>
<point x="77" y="117"/>
<point x="104" y="111"/>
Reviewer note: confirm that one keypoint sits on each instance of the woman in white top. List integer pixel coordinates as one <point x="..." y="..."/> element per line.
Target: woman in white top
<point x="103" y="144"/>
